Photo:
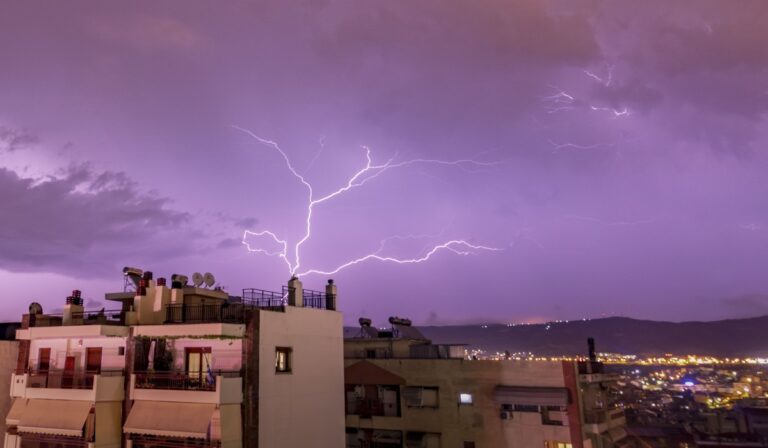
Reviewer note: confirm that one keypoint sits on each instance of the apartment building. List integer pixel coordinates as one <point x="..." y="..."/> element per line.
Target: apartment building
<point x="181" y="365"/>
<point x="402" y="390"/>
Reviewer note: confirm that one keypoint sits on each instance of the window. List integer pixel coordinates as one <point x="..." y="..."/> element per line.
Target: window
<point x="465" y="399"/>
<point x="283" y="359"/>
<point x="469" y="444"/>
<point x="198" y="363"/>
<point x="525" y="408"/>
<point x="120" y="351"/>
<point x="421" y="397"/>
<point x="558" y="445"/>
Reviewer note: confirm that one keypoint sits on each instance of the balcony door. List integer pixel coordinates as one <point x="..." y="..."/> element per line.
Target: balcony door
<point x="198" y="364"/>
<point x="44" y="359"/>
<point x="93" y="360"/>
<point x="68" y="375"/>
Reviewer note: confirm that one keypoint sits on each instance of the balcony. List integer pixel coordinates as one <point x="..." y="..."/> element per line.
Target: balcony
<point x="236" y="312"/>
<point x="233" y="313"/>
<point x="368" y="408"/>
<point x="599" y="421"/>
<point x="143" y="441"/>
<point x="50" y="441"/>
<point x="221" y="387"/>
<point x="61" y="379"/>
<point x="93" y="317"/>
<point x="181" y="380"/>
<point x="68" y="385"/>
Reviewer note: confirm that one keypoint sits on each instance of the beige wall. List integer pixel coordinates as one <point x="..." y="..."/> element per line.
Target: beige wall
<point x="304" y="408"/>
<point x="9" y="353"/>
<point x="479" y="422"/>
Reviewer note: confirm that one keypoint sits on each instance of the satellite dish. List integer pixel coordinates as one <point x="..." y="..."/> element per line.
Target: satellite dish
<point x="209" y="279"/>
<point x="35" y="308"/>
<point x="197" y="279"/>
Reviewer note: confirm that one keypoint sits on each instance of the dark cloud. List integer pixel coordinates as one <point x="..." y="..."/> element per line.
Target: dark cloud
<point x="14" y="139"/>
<point x="747" y="305"/>
<point x="670" y="196"/>
<point x="145" y="32"/>
<point x="229" y="243"/>
<point x="83" y="222"/>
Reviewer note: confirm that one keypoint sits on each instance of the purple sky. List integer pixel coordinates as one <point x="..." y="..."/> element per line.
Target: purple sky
<point x="627" y="139"/>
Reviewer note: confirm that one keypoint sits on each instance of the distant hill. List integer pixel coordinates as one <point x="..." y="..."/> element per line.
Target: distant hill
<point x="733" y="337"/>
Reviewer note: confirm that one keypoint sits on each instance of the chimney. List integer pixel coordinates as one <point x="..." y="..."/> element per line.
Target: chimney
<point x="73" y="309"/>
<point x="591" y="345"/>
<point x="295" y="292"/>
<point x="331" y="293"/>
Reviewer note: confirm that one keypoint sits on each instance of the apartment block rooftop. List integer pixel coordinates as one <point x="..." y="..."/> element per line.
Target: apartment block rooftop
<point x="146" y="300"/>
<point x="398" y="340"/>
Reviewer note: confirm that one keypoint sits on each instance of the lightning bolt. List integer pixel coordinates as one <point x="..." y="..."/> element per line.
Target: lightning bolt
<point x="369" y="172"/>
<point x="569" y="145"/>
<point x="624" y="112"/>
<point x="459" y="247"/>
<point x="606" y="80"/>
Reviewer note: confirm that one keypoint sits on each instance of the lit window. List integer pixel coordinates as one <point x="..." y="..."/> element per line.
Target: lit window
<point x="283" y="359"/>
<point x="465" y="398"/>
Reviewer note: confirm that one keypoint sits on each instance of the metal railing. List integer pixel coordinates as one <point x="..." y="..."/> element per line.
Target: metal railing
<point x="213" y="312"/>
<point x="203" y="381"/>
<point x="49" y="441"/>
<point x="263" y="299"/>
<point x="65" y="379"/>
<point x="319" y="300"/>
<point x="599" y="416"/>
<point x="141" y="441"/>
<point x="367" y="408"/>
<point x="101" y="317"/>
<point x="90" y="317"/>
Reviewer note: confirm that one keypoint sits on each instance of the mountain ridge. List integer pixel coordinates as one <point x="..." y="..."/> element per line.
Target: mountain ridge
<point x="728" y="337"/>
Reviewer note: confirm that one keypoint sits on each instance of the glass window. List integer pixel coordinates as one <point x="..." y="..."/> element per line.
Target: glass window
<point x="283" y="359"/>
<point x="465" y="398"/>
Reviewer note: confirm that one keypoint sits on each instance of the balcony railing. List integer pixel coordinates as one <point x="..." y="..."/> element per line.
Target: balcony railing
<point x="172" y="442"/>
<point x="101" y="317"/>
<point x="65" y="379"/>
<point x="50" y="441"/>
<point x="367" y="408"/>
<point x="318" y="299"/>
<point x="262" y="299"/>
<point x="92" y="317"/>
<point x="213" y="312"/>
<point x="181" y="380"/>
<point x="599" y="416"/>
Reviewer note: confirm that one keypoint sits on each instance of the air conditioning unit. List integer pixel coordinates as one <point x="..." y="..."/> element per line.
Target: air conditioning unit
<point x="505" y="415"/>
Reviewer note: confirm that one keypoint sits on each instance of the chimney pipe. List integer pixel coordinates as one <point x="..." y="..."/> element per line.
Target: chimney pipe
<point x="331" y="293"/>
<point x="591" y="345"/>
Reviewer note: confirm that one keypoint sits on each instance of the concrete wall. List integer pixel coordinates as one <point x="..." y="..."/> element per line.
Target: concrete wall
<point x="9" y="353"/>
<point x="305" y="407"/>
